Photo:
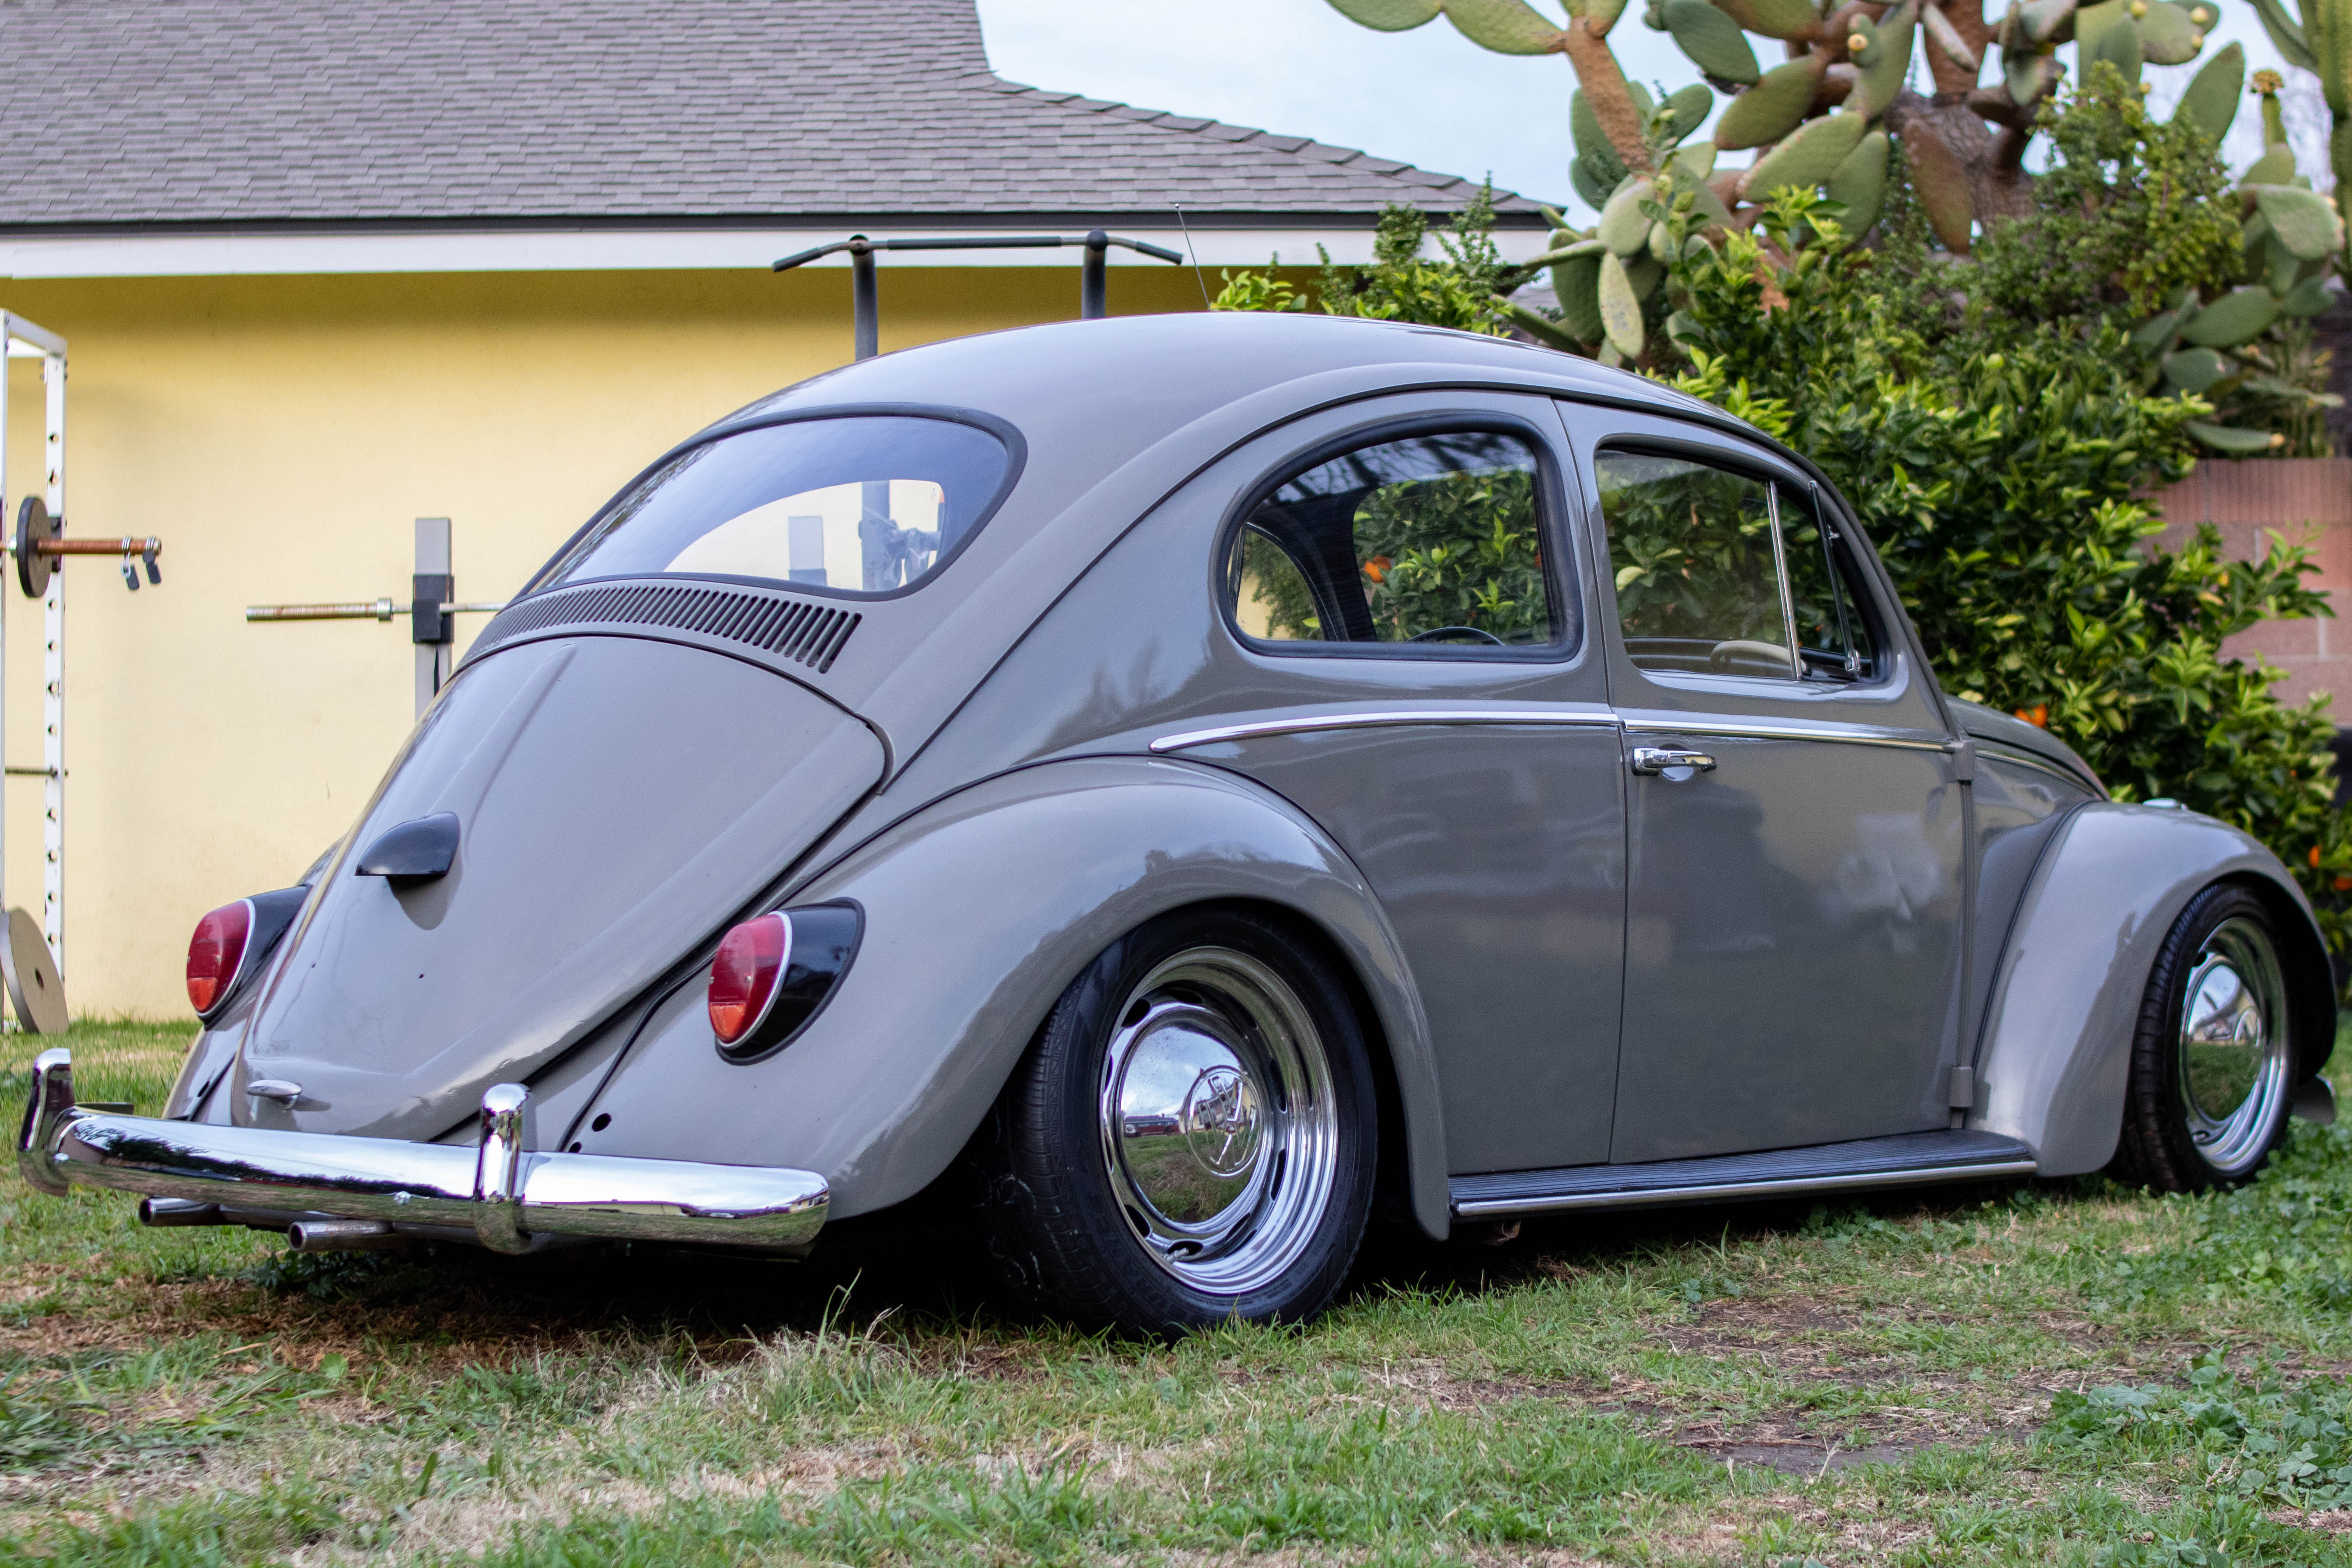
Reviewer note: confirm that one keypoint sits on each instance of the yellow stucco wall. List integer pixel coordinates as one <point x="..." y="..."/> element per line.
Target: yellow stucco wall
<point x="281" y="434"/>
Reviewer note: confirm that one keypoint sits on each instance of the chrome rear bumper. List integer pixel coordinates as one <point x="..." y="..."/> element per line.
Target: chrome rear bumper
<point x="500" y="1192"/>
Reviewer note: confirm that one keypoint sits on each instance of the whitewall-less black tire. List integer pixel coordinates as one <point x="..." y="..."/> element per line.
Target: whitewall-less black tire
<point x="1192" y="1136"/>
<point x="2214" y="1056"/>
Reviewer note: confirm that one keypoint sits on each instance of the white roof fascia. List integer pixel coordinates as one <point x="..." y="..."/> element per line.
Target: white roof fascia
<point x="235" y="253"/>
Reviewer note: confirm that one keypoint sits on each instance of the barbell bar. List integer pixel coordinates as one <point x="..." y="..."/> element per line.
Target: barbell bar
<point x="40" y="540"/>
<point x="360" y="610"/>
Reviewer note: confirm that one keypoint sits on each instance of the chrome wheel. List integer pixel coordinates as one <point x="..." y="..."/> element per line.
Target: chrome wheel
<point x="2235" y="1054"/>
<point x="1219" y="1130"/>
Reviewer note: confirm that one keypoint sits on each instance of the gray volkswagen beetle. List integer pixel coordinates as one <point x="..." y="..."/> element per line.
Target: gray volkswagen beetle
<point x="1203" y="783"/>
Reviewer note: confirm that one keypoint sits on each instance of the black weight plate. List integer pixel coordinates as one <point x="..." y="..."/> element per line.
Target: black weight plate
<point x="33" y="522"/>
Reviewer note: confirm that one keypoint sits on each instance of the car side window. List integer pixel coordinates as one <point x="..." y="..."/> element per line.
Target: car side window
<point x="1695" y="553"/>
<point x="1433" y="539"/>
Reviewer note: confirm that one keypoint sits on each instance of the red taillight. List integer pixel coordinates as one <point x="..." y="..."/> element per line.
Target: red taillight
<point x="744" y="976"/>
<point x="215" y="950"/>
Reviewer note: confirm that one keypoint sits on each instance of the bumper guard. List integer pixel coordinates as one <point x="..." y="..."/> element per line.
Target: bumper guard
<point x="332" y="1192"/>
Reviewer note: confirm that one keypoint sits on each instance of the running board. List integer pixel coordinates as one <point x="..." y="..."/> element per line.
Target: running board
<point x="1912" y="1157"/>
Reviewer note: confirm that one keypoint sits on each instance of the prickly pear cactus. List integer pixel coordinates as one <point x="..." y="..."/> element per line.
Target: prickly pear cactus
<point x="2238" y="345"/>
<point x="2319" y="40"/>
<point x="1826" y="117"/>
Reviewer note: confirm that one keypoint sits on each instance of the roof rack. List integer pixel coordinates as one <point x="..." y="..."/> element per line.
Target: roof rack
<point x="1093" y="284"/>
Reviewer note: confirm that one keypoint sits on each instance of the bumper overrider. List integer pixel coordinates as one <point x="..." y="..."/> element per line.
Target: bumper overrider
<point x="332" y="1192"/>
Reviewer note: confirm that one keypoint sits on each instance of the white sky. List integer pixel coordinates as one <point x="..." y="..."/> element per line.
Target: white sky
<point x="1429" y="96"/>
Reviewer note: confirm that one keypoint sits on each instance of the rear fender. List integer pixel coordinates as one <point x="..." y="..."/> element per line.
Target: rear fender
<point x="979" y="910"/>
<point x="2058" y="1034"/>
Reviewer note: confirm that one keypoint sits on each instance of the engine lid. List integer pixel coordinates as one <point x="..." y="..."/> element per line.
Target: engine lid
<point x="617" y="801"/>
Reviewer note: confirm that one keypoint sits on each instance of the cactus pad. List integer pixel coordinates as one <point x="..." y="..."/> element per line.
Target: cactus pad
<point x="1805" y="158"/>
<point x="1687" y="109"/>
<point x="1882" y="78"/>
<point x="2275" y="167"/>
<point x="2236" y="316"/>
<point x="1941" y="183"/>
<point x="1862" y="44"/>
<point x="1620" y="309"/>
<point x="1777" y="18"/>
<point x="2194" y="371"/>
<point x="2305" y="222"/>
<point x="1576" y="282"/>
<point x="1506" y="26"/>
<point x="1860" y="184"/>
<point x="1772" y="108"/>
<point x="2227" y="439"/>
<point x="2209" y="102"/>
<point x="1625" y="229"/>
<point x="1388" y="16"/>
<point x="2107" y="32"/>
<point x="2308" y="298"/>
<point x="2167" y="35"/>
<point x="1713" y="41"/>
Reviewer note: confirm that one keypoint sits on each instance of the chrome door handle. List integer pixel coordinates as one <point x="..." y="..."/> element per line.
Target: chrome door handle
<point x="1664" y="759"/>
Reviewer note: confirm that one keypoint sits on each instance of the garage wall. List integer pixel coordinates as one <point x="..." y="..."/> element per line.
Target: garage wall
<point x="281" y="434"/>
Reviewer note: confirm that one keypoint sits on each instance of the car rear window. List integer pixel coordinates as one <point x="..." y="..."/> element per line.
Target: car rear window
<point x="864" y="504"/>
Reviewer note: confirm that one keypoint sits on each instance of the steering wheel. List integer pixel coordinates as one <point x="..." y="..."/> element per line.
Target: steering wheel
<point x="1727" y="657"/>
<point x="1455" y="634"/>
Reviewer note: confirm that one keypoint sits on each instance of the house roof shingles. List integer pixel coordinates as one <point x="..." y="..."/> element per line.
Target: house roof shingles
<point x="234" y="112"/>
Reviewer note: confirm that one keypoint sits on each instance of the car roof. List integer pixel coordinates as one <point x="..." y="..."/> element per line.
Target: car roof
<point x="1113" y="416"/>
<point x="1164" y="371"/>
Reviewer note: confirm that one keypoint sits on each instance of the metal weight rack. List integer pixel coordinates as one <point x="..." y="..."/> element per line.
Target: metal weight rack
<point x="39" y="546"/>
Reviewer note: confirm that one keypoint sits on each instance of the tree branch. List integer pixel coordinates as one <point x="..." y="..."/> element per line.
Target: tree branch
<point x="1994" y="103"/>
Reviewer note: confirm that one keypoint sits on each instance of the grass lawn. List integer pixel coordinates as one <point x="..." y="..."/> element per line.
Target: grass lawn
<point x="2051" y="1372"/>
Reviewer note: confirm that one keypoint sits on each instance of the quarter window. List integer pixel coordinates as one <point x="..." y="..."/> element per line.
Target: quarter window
<point x="1721" y="572"/>
<point x="1434" y="540"/>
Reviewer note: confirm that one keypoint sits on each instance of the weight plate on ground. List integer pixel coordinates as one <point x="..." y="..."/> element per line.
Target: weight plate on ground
<point x="35" y="987"/>
<point x="33" y="523"/>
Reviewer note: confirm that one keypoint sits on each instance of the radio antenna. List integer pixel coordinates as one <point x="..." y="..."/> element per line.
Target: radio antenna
<point x="1201" y="276"/>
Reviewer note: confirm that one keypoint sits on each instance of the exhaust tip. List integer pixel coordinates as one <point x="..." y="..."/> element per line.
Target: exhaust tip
<point x="178" y="1210"/>
<point x="344" y="1236"/>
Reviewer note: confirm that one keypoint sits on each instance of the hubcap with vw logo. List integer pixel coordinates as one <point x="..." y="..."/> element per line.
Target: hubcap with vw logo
<point x="1219" y="1132"/>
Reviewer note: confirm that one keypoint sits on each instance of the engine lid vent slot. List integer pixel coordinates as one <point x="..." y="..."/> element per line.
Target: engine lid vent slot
<point x="804" y="631"/>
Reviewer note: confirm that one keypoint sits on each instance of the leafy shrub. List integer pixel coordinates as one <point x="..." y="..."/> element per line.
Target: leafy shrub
<point x="1457" y="290"/>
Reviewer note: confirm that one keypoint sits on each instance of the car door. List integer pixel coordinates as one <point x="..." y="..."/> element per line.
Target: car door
<point x="1409" y="612"/>
<point x="1795" y="824"/>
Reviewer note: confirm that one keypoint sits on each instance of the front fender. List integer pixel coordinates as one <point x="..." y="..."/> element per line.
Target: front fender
<point x="2058" y="1034"/>
<point x="979" y="910"/>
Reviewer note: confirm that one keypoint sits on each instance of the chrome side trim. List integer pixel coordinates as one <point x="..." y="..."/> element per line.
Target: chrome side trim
<point x="1642" y="1198"/>
<point x="498" y="1191"/>
<point x="2039" y="764"/>
<point x="1381" y="718"/>
<point x="1746" y="731"/>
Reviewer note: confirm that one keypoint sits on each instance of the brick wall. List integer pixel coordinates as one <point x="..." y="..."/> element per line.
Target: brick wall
<point x="2302" y="499"/>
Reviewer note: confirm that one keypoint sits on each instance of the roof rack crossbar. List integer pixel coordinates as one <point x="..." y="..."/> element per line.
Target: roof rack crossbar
<point x="1093" y="286"/>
